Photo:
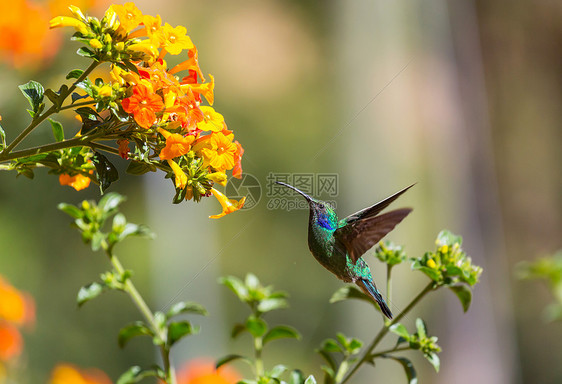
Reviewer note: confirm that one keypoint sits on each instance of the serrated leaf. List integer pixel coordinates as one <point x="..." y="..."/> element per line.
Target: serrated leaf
<point x="464" y="294"/>
<point x="349" y="292"/>
<point x="74" y="74"/>
<point x="33" y="92"/>
<point x="140" y="168"/>
<point x="178" y="330"/>
<point x="267" y="305"/>
<point x="281" y="332"/>
<point x="70" y="210"/>
<point x="235" y="285"/>
<point x="138" y="328"/>
<point x="89" y="292"/>
<point x="186" y="307"/>
<point x="400" y="330"/>
<point x="107" y="173"/>
<point x="256" y="326"/>
<point x="230" y="358"/>
<point x="136" y="374"/>
<point x="58" y="131"/>
<point x="409" y="369"/>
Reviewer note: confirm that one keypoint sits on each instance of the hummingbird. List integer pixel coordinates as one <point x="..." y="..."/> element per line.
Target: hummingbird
<point x="339" y="245"/>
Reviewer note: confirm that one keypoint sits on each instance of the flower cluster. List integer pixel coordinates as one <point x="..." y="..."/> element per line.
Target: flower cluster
<point x="16" y="310"/>
<point x="449" y="264"/>
<point x="390" y="253"/>
<point x="159" y="110"/>
<point x="419" y="341"/>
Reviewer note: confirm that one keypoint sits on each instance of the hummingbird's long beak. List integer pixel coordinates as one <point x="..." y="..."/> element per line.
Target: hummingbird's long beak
<point x="308" y="198"/>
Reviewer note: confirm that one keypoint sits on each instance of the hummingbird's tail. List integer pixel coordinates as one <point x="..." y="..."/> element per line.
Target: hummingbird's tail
<point x="370" y="289"/>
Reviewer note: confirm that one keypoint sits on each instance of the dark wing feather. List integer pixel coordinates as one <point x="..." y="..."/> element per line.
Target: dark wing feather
<point x="361" y="235"/>
<point x="374" y="209"/>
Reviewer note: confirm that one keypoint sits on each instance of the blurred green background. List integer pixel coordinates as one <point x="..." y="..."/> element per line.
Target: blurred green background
<point x="464" y="98"/>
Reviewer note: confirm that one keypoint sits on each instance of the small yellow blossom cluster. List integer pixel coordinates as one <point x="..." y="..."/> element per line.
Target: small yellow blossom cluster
<point x="152" y="106"/>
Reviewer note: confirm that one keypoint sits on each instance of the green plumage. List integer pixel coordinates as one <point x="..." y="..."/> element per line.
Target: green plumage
<point x="339" y="245"/>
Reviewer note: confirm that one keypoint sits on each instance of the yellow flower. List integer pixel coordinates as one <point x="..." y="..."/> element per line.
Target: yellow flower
<point x="174" y="40"/>
<point x="181" y="177"/>
<point x="66" y="21"/>
<point x="214" y="121"/>
<point x="218" y="177"/>
<point x="228" y="205"/>
<point x="152" y="24"/>
<point x="220" y="154"/>
<point x="129" y="15"/>
<point x="95" y="43"/>
<point x="105" y="91"/>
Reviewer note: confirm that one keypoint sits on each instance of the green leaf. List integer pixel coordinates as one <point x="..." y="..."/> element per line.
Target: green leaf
<point x="281" y="332"/>
<point x="229" y="358"/>
<point x="186" y="307"/>
<point x="136" y="374"/>
<point x="349" y="292"/>
<point x="422" y="328"/>
<point x="107" y="173"/>
<point x="267" y="305"/>
<point x="70" y="210"/>
<point x="89" y="292"/>
<point x="330" y="345"/>
<point x="2" y="139"/>
<point x="33" y="92"/>
<point x="138" y="328"/>
<point x="74" y="74"/>
<point x="140" y="168"/>
<point x="252" y="282"/>
<point x="277" y="371"/>
<point x="109" y="202"/>
<point x="296" y="377"/>
<point x="310" y="380"/>
<point x="85" y="52"/>
<point x="58" y="131"/>
<point x="464" y="294"/>
<point x="136" y="230"/>
<point x="256" y="326"/>
<point x="237" y="330"/>
<point x="409" y="369"/>
<point x="178" y="330"/>
<point x="434" y="360"/>
<point x="235" y="285"/>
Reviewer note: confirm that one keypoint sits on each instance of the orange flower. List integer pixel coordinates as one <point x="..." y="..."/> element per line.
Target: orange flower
<point x="228" y="205"/>
<point x="12" y="304"/>
<point x="221" y="151"/>
<point x="143" y="104"/>
<point x="191" y="64"/>
<point x="69" y="374"/>
<point x="205" y="89"/>
<point x="129" y="15"/>
<point x="78" y="182"/>
<point x="202" y="371"/>
<point x="176" y="145"/>
<point x="11" y="342"/>
<point x="237" y="170"/>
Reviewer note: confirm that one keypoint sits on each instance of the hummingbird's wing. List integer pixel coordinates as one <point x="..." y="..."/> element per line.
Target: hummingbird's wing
<point x="360" y="235"/>
<point x="374" y="209"/>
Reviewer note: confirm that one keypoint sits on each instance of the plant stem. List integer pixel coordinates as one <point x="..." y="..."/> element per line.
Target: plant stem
<point x="388" y="290"/>
<point x="385" y="329"/>
<point x="258" y="345"/>
<point x="139" y="302"/>
<point x="36" y="121"/>
<point x="389" y="351"/>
